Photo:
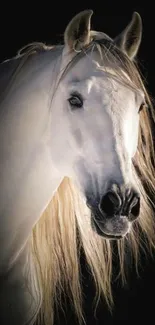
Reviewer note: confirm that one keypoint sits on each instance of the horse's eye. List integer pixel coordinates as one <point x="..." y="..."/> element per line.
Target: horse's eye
<point x="75" y="102"/>
<point x="142" y="106"/>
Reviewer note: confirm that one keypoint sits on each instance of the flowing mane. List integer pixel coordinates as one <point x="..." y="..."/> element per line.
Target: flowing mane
<point x="64" y="229"/>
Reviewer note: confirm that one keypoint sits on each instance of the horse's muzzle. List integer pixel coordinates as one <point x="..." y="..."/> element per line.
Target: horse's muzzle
<point x="115" y="212"/>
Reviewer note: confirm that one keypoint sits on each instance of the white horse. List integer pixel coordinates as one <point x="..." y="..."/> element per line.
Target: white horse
<point x="75" y="153"/>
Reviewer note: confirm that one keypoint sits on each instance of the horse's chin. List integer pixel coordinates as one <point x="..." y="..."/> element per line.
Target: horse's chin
<point x="113" y="228"/>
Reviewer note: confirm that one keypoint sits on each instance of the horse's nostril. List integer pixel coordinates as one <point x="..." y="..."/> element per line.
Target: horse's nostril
<point x="114" y="198"/>
<point x="135" y="208"/>
<point x="110" y="203"/>
<point x="127" y="204"/>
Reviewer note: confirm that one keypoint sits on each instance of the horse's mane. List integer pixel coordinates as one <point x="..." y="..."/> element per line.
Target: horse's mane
<point x="64" y="229"/>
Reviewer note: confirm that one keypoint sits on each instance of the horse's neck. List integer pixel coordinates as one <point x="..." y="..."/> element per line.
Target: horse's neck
<point x="28" y="177"/>
<point x="24" y="66"/>
<point x="7" y="68"/>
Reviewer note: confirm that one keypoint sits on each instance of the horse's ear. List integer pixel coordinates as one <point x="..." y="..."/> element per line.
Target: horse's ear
<point x="77" y="33"/>
<point x="129" y="40"/>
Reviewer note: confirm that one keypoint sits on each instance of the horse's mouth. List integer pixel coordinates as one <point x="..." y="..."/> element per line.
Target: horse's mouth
<point x="103" y="234"/>
<point x="114" y="229"/>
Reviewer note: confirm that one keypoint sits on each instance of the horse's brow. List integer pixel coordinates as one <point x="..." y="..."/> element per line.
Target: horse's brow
<point x="76" y="82"/>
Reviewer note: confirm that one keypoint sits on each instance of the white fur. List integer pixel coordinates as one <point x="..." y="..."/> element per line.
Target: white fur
<point x="42" y="140"/>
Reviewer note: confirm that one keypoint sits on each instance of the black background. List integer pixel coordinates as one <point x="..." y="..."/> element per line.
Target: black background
<point x="25" y="22"/>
